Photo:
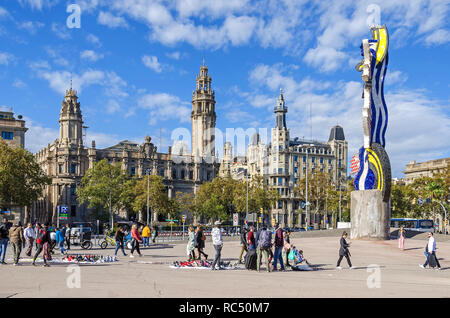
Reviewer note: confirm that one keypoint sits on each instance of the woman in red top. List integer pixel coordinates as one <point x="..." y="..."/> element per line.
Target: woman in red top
<point x="251" y="238"/>
<point x="135" y="240"/>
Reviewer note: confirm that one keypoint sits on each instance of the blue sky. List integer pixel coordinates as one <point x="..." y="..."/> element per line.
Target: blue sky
<point x="134" y="63"/>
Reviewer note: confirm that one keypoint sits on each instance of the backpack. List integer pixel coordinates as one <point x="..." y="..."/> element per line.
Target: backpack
<point x="265" y="239"/>
<point x="40" y="238"/>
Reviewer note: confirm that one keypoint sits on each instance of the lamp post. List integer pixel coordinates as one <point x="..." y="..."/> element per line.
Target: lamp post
<point x="148" y="195"/>
<point x="306" y="197"/>
<point x="340" y="198"/>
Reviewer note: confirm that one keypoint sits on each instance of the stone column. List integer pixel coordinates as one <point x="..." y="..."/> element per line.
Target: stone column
<point x="369" y="215"/>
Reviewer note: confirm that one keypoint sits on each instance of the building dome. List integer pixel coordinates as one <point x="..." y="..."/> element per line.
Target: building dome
<point x="337" y="133"/>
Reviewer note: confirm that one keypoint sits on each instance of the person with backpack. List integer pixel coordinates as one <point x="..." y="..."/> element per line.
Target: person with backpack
<point x="430" y="253"/>
<point x="29" y="234"/>
<point x="154" y="234"/>
<point x="42" y="237"/>
<point x="279" y="243"/>
<point x="60" y="240"/>
<point x="343" y="251"/>
<point x="244" y="245"/>
<point x="216" y="235"/>
<point x="16" y="239"/>
<point x="264" y="246"/>
<point x="200" y="242"/>
<point x="4" y="238"/>
<point x="67" y="235"/>
<point x="119" y="237"/>
<point x="135" y="240"/>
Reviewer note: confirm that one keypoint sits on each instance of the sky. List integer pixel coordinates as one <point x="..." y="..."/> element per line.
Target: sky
<point x="134" y="64"/>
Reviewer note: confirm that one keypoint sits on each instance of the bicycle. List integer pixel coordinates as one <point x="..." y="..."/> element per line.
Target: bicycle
<point x="107" y="240"/>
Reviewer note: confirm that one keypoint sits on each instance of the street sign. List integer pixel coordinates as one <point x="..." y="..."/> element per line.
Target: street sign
<point x="63" y="212"/>
<point x="5" y="212"/>
<point x="235" y="219"/>
<point x="354" y="164"/>
<point x="171" y="223"/>
<point x="169" y="220"/>
<point x="419" y="201"/>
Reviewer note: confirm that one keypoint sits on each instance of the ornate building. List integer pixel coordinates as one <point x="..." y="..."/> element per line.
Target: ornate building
<point x="66" y="160"/>
<point x="416" y="170"/>
<point x="284" y="162"/>
<point x="12" y="130"/>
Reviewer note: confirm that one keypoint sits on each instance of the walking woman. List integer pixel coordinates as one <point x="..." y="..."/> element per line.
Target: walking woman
<point x="120" y="234"/>
<point x="135" y="240"/>
<point x="343" y="251"/>
<point x="200" y="242"/>
<point x="401" y="238"/>
<point x="191" y="244"/>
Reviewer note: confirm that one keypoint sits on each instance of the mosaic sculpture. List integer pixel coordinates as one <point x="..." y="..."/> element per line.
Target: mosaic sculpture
<point x="374" y="166"/>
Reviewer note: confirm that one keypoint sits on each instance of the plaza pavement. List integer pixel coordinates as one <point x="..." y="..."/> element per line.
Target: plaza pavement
<point x="151" y="276"/>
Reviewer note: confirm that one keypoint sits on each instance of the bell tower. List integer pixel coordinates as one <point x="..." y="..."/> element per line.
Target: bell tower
<point x="71" y="120"/>
<point x="203" y="116"/>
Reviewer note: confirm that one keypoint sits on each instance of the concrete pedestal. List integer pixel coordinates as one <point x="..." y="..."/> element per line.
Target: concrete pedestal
<point x="369" y="215"/>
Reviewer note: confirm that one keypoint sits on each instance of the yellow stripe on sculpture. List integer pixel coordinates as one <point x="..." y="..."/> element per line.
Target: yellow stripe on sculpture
<point x="373" y="158"/>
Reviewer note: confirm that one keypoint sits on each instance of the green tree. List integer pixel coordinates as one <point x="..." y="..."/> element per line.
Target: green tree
<point x="158" y="201"/>
<point x="102" y="186"/>
<point x="22" y="181"/>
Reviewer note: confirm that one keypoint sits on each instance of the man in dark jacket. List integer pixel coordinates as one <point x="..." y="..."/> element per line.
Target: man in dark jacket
<point x="244" y="246"/>
<point x="279" y="243"/>
<point x="16" y="239"/>
<point x="343" y="251"/>
<point x="4" y="238"/>
<point x="120" y="235"/>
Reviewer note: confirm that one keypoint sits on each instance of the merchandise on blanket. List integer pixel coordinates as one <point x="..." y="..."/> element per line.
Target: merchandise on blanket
<point x="201" y="264"/>
<point x="89" y="258"/>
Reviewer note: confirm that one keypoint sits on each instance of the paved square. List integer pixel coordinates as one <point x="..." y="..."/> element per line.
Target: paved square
<point x="151" y="276"/>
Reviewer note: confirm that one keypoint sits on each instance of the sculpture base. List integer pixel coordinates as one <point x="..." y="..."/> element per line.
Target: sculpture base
<point x="370" y="216"/>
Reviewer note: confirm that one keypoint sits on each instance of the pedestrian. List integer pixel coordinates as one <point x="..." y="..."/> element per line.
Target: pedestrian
<point x="279" y="243"/>
<point x="4" y="238"/>
<point x="216" y="234"/>
<point x="251" y="238"/>
<point x="191" y="243"/>
<point x="68" y="235"/>
<point x="244" y="245"/>
<point x="135" y="240"/>
<point x="200" y="242"/>
<point x="430" y="252"/>
<point x="60" y="240"/>
<point x="154" y="233"/>
<point x="146" y="236"/>
<point x="286" y="247"/>
<point x="16" y="239"/>
<point x="42" y="238"/>
<point x="401" y="238"/>
<point x="264" y="245"/>
<point x="29" y="234"/>
<point x="343" y="251"/>
<point x="119" y="236"/>
<point x="36" y="231"/>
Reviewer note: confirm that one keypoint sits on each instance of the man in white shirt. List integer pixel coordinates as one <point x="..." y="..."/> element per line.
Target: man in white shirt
<point x="431" y="251"/>
<point x="216" y="235"/>
<point x="29" y="234"/>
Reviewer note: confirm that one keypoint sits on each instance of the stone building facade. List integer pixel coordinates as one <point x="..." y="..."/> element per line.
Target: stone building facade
<point x="12" y="130"/>
<point x="66" y="160"/>
<point x="284" y="162"/>
<point x="416" y="170"/>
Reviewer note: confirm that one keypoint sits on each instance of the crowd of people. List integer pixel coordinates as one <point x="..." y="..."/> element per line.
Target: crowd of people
<point x="274" y="246"/>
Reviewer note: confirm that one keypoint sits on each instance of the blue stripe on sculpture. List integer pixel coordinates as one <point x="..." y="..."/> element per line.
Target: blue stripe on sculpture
<point x="361" y="169"/>
<point x="386" y="61"/>
<point x="370" y="180"/>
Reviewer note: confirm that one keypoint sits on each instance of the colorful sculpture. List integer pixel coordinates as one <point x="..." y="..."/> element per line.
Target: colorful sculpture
<point x="375" y="169"/>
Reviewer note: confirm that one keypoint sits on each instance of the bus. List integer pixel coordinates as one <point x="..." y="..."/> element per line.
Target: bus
<point x="420" y="225"/>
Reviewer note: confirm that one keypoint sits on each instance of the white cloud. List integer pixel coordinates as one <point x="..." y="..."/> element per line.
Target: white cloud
<point x="6" y="58"/>
<point x="111" y="21"/>
<point x="164" y="106"/>
<point x="4" y="13"/>
<point x="30" y="26"/>
<point x="112" y="107"/>
<point x="56" y="56"/>
<point x="38" y="4"/>
<point x="91" y="55"/>
<point x="60" y="31"/>
<point x="174" y="55"/>
<point x="37" y="136"/>
<point x="440" y="36"/>
<point x="19" y="83"/>
<point x="94" y="40"/>
<point x="152" y="63"/>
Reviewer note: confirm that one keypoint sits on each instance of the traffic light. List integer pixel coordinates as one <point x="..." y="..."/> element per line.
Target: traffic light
<point x="183" y="218"/>
<point x="260" y="220"/>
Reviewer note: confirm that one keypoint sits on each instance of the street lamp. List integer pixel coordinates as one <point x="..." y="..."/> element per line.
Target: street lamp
<point x="148" y="171"/>
<point x="307" y="202"/>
